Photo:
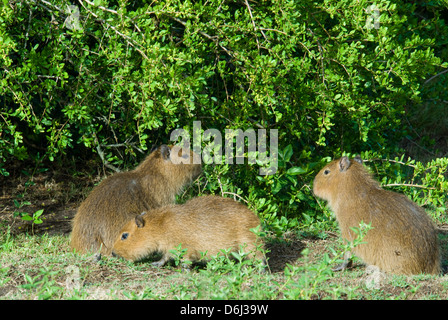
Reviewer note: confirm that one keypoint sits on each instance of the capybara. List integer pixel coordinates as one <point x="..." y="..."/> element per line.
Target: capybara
<point x="206" y="224"/>
<point x="403" y="239"/>
<point x="118" y="198"/>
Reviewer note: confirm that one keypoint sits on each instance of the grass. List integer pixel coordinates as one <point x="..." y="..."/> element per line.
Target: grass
<point x="37" y="263"/>
<point x="43" y="267"/>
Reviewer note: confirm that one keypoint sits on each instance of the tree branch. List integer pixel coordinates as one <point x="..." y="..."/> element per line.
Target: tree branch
<point x="439" y="74"/>
<point x="101" y="154"/>
<point x="408" y="185"/>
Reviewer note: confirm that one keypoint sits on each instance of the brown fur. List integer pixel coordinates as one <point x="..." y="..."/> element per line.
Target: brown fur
<point x="118" y="198"/>
<point x="203" y="224"/>
<point x="403" y="239"/>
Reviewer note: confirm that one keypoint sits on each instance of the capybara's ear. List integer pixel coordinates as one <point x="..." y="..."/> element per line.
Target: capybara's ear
<point x="165" y="151"/>
<point x="139" y="221"/>
<point x="344" y="164"/>
<point x="358" y="159"/>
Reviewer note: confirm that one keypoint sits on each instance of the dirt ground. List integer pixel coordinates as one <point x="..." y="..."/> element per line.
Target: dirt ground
<point x="56" y="192"/>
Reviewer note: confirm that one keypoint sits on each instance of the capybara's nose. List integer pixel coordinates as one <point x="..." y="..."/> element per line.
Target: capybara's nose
<point x="114" y="254"/>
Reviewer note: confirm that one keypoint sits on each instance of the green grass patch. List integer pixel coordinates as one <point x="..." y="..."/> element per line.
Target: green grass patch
<point x="43" y="267"/>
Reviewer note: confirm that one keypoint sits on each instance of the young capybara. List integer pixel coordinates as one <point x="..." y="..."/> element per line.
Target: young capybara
<point x="204" y="224"/>
<point x="118" y="198"/>
<point x="403" y="239"/>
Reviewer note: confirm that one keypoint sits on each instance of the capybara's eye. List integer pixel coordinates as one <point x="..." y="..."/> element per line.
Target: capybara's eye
<point x="124" y="236"/>
<point x="326" y="172"/>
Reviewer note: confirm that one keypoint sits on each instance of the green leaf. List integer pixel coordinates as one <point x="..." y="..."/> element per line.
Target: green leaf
<point x="27" y="217"/>
<point x="296" y="171"/>
<point x="287" y="153"/>
<point x="276" y="187"/>
<point x="38" y="213"/>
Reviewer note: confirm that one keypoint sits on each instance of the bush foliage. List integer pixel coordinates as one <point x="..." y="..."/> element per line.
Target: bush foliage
<point x="116" y="77"/>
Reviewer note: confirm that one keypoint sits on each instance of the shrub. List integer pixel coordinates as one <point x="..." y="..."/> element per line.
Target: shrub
<point x="116" y="77"/>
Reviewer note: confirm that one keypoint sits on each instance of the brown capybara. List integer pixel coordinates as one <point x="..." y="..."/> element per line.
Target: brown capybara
<point x="118" y="198"/>
<point x="206" y="224"/>
<point x="403" y="239"/>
